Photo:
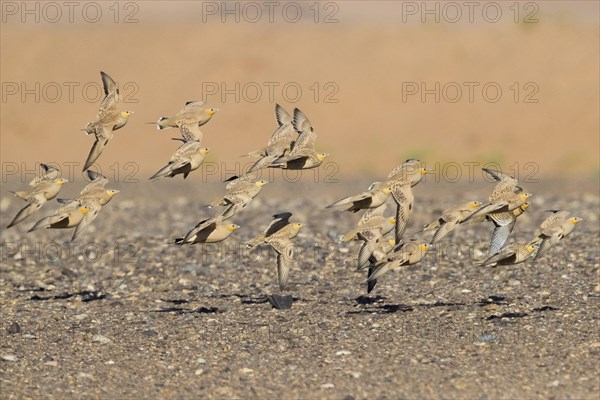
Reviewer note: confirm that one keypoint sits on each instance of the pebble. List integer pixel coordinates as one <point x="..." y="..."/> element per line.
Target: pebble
<point x="9" y="357"/>
<point x="198" y="372"/>
<point x="246" y="371"/>
<point x="101" y="339"/>
<point x="14" y="328"/>
<point x="343" y="353"/>
<point x="328" y="386"/>
<point x="201" y="361"/>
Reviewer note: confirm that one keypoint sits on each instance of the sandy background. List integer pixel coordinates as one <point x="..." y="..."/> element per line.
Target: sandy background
<point x="174" y="49"/>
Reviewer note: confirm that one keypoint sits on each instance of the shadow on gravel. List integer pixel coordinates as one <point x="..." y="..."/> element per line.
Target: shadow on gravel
<point x="86" y="296"/>
<point x="369" y="300"/>
<point x="181" y="310"/>
<point x="382" y="308"/>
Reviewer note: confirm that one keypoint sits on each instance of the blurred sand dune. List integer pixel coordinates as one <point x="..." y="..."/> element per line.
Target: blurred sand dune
<point x="362" y="65"/>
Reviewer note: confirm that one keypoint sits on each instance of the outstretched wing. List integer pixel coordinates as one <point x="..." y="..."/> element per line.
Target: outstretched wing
<point x="285" y="254"/>
<point x="87" y="220"/>
<point x="191" y="132"/>
<point x="111" y="95"/>
<point x="404" y="198"/>
<point x="97" y="149"/>
<point x="192" y="105"/>
<point x="279" y="221"/>
<point x="50" y="173"/>
<point x="307" y="136"/>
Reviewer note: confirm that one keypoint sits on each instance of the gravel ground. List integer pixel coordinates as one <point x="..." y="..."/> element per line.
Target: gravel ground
<point x="123" y="314"/>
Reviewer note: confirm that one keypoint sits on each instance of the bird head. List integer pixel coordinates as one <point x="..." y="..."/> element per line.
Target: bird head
<point x="232" y="227"/>
<point x="297" y="226"/>
<point x="575" y="220"/>
<point x="84" y="210"/>
<point x="61" y="181"/>
<point x="387" y="190"/>
<point x="261" y="183"/>
<point x="322" y="156"/>
<point x="112" y="192"/>
<point x="392" y="220"/>
<point x="392" y="242"/>
<point x="475" y="204"/>
<point x="126" y="114"/>
<point x="424" y="247"/>
<point x="525" y="196"/>
<point x="424" y="171"/>
<point x="525" y="205"/>
<point x="204" y="151"/>
<point x="531" y="247"/>
<point x="210" y="111"/>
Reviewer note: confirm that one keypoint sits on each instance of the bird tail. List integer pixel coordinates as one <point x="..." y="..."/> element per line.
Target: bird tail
<point x="341" y="204"/>
<point x="164" y="171"/>
<point x="42" y="223"/>
<point x="255" y="242"/>
<point x="348" y="237"/>
<point x="371" y="282"/>
<point x="255" y="154"/>
<point x="161" y="124"/>
<point x="21" y="195"/>
<point x="88" y="129"/>
<point x="24" y="213"/>
<point x="377" y="272"/>
<point x="219" y="202"/>
<point x="263" y="163"/>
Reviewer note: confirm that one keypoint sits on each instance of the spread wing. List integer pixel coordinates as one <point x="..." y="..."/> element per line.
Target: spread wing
<point x="307" y="136"/>
<point x="202" y="225"/>
<point x="285" y="254"/>
<point x="279" y="221"/>
<point x="404" y="198"/>
<point x="111" y="95"/>
<point x="192" y="105"/>
<point x="50" y="174"/>
<point x="97" y="180"/>
<point x="185" y="151"/>
<point x="557" y="216"/>
<point x="97" y="149"/>
<point x="191" y="132"/>
<point x="400" y="169"/>
<point x="87" y="220"/>
<point x="282" y="116"/>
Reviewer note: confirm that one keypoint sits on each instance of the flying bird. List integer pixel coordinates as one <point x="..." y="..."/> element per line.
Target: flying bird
<point x="108" y="120"/>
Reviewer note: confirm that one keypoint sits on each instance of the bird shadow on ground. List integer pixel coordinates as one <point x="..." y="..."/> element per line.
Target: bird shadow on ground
<point x="366" y="306"/>
<point x="376" y="305"/>
<point x="86" y="296"/>
<point x="181" y="310"/>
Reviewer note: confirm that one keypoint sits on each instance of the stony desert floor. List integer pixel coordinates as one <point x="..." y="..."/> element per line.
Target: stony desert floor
<point x="124" y="314"/>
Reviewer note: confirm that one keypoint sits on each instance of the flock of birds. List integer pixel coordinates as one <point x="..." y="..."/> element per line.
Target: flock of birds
<point x="292" y="146"/>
